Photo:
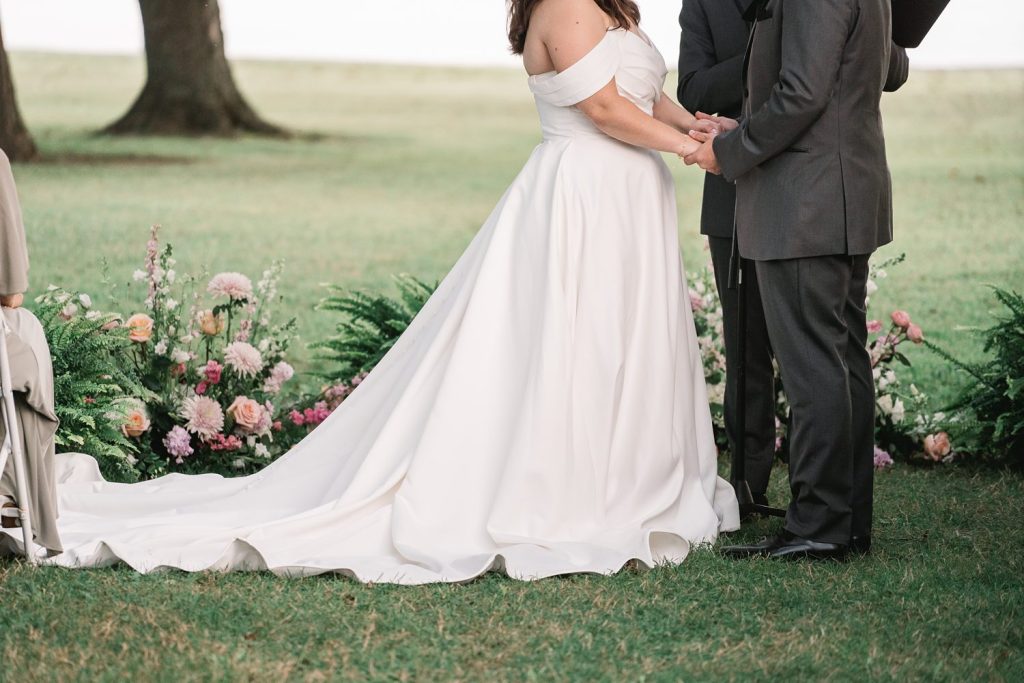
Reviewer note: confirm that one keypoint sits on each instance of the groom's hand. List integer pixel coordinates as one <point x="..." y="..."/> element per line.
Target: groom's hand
<point x="703" y="156"/>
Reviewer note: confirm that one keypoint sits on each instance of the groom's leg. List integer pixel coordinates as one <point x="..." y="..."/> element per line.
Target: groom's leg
<point x="862" y="397"/>
<point x="760" y="403"/>
<point x="805" y="304"/>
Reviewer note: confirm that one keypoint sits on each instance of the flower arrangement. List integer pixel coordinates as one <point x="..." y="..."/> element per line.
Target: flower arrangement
<point x="707" y="318"/>
<point x="213" y="366"/>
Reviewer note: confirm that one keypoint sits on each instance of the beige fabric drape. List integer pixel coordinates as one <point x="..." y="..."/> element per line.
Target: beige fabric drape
<point x="13" y="248"/>
<point x="32" y="379"/>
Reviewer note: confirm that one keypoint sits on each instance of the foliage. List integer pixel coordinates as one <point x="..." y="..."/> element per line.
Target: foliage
<point x="210" y="370"/>
<point x="992" y="405"/>
<point x="372" y="325"/>
<point x="92" y="382"/>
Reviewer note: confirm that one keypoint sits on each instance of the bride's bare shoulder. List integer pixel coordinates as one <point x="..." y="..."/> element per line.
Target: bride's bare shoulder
<point x="568" y="29"/>
<point x="554" y="18"/>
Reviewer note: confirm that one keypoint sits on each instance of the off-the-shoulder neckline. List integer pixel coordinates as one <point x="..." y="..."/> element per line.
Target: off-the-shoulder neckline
<point x="623" y="29"/>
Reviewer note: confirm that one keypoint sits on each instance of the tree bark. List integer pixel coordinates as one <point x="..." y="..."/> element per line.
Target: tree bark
<point x="15" y="140"/>
<point x="189" y="87"/>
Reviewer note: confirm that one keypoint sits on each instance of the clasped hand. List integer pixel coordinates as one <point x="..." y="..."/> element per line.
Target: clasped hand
<point x="703" y="131"/>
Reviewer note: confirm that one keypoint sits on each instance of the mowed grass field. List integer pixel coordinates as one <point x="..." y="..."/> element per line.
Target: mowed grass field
<point x="394" y="171"/>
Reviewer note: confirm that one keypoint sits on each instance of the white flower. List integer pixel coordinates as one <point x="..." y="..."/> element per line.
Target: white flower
<point x="158" y="273"/>
<point x="885" y="404"/>
<point x="171" y="275"/>
<point x="238" y="464"/>
<point x="171" y="304"/>
<point x="871" y="287"/>
<point x="877" y="372"/>
<point x="139" y="275"/>
<point x="93" y="315"/>
<point x="85" y="300"/>
<point x="264" y="345"/>
<point x="161" y="347"/>
<point x="180" y="356"/>
<point x="262" y="451"/>
<point x="898" y="411"/>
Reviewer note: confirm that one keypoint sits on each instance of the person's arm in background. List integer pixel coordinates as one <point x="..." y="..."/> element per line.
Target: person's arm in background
<point x="705" y="84"/>
<point x="899" y="69"/>
<point x="13" y="249"/>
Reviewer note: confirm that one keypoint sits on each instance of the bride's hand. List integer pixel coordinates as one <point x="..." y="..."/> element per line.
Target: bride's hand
<point x="687" y="147"/>
<point x="704" y="126"/>
<point x="724" y="123"/>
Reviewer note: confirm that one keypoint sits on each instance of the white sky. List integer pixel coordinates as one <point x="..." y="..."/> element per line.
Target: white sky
<point x="971" y="33"/>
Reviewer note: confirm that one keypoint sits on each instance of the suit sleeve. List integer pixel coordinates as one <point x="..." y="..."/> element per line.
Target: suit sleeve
<point x="899" y="68"/>
<point x="705" y="84"/>
<point x="813" y="39"/>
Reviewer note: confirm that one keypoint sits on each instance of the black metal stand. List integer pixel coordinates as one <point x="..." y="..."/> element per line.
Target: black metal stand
<point x="748" y="507"/>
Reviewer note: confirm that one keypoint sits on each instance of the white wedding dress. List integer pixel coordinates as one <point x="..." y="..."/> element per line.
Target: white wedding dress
<point x="544" y="414"/>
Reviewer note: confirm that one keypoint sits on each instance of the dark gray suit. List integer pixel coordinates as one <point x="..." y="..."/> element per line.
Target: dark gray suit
<point x="813" y="202"/>
<point x="711" y="50"/>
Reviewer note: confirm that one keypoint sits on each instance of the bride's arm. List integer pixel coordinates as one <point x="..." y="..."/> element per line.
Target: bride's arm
<point x="569" y="30"/>
<point x="668" y="111"/>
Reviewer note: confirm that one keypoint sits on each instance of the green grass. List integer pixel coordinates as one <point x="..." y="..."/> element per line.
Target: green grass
<point x="407" y="165"/>
<point x="939" y="599"/>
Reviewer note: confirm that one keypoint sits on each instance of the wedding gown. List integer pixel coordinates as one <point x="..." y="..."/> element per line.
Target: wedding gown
<point x="544" y="414"/>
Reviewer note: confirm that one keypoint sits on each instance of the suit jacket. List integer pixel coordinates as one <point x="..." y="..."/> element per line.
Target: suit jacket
<point x="13" y="250"/>
<point x="809" y="156"/>
<point x="711" y="51"/>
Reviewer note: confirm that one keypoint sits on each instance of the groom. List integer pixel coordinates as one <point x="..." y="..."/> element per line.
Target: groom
<point x="813" y="201"/>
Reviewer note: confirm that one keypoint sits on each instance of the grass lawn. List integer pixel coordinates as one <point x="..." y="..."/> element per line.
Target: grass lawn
<point x="399" y="167"/>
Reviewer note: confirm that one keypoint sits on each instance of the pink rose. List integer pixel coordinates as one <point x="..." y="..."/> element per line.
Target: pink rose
<point x="137" y="423"/>
<point x="874" y="326"/>
<point x="213" y="372"/>
<point x="247" y="413"/>
<point x="696" y="302"/>
<point x="915" y="334"/>
<point x="201" y="388"/>
<point x="901" y="319"/>
<point x="297" y="418"/>
<point x="937" y="446"/>
<point x="141" y="326"/>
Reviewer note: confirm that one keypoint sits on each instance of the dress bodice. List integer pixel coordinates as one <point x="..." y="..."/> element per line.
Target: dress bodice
<point x="630" y="58"/>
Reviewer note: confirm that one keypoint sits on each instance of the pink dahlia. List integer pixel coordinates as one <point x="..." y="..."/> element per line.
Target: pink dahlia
<point x="243" y="358"/>
<point x="234" y="286"/>
<point x="203" y="416"/>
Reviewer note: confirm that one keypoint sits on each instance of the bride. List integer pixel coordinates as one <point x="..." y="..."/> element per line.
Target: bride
<point x="544" y="414"/>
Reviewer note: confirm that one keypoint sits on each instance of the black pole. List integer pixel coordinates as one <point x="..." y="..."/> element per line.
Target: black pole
<point x="748" y="507"/>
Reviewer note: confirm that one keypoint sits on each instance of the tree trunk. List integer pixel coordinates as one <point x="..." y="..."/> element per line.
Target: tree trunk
<point x="15" y="139"/>
<point x="189" y="88"/>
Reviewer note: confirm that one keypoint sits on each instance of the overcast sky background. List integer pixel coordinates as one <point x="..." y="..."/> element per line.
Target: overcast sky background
<point x="971" y="33"/>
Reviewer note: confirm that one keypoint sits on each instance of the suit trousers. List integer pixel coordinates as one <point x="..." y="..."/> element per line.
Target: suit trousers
<point x="815" y="312"/>
<point x="760" y="393"/>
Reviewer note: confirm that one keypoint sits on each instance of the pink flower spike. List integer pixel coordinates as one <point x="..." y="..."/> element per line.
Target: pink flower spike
<point x="901" y="319"/>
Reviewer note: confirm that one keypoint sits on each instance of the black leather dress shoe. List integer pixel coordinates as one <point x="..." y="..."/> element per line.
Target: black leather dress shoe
<point x="762" y="548"/>
<point x="796" y="548"/>
<point x="860" y="545"/>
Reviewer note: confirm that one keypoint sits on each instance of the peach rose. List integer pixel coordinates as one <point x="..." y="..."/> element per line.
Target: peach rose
<point x="141" y="326"/>
<point x="937" y="446"/>
<point x="915" y="334"/>
<point x="211" y="324"/>
<point x="901" y="318"/>
<point x="137" y="424"/>
<point x="247" y="413"/>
